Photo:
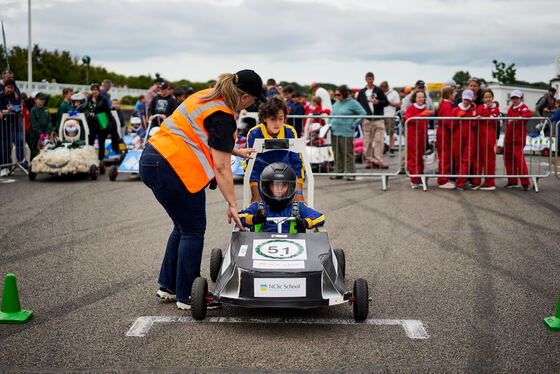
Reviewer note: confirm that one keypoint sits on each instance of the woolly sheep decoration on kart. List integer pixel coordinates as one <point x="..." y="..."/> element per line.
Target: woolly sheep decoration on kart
<point x="70" y="154"/>
<point x="279" y="270"/>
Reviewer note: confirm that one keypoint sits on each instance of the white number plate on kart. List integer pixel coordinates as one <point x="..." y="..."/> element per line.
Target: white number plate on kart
<point x="279" y="249"/>
<point x="280" y="287"/>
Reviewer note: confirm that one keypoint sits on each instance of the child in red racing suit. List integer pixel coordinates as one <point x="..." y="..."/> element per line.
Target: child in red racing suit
<point x="516" y="135"/>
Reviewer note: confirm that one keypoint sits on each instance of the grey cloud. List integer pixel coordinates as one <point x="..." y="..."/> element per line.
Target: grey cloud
<point x="291" y="31"/>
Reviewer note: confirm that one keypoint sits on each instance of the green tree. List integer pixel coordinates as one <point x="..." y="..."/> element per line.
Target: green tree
<point x="462" y="78"/>
<point x="504" y="74"/>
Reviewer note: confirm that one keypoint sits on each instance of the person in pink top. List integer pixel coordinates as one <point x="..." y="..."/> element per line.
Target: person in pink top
<point x="485" y="150"/>
<point x="444" y="135"/>
<point x="516" y="135"/>
<point x="416" y="132"/>
<point x="465" y="136"/>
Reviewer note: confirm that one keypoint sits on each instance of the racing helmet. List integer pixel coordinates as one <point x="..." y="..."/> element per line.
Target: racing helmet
<point x="278" y="185"/>
<point x="79" y="102"/>
<point x="135" y="124"/>
<point x="72" y="130"/>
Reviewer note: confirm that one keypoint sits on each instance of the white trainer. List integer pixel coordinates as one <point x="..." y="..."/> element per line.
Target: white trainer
<point x="164" y="294"/>
<point x="447" y="186"/>
<point x="183" y="306"/>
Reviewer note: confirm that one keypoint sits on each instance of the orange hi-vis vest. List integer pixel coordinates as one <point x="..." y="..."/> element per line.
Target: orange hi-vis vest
<point x="183" y="141"/>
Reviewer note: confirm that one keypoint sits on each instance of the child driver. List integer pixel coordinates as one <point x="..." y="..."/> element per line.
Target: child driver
<point x="278" y="187"/>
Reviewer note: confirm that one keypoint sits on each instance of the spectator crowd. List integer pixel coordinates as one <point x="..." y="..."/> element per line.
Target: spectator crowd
<point x="466" y="145"/>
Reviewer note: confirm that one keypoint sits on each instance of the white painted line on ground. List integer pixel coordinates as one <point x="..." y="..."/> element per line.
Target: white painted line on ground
<point x="414" y="329"/>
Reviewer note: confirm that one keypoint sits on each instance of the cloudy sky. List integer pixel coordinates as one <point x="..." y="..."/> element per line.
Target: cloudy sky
<point x="298" y="40"/>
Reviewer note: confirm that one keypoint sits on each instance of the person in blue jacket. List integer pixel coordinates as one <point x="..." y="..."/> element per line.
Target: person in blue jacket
<point x="278" y="187"/>
<point x="272" y="114"/>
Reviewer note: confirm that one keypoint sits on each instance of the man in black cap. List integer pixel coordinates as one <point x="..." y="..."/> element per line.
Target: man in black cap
<point x="164" y="103"/>
<point x="419" y="86"/>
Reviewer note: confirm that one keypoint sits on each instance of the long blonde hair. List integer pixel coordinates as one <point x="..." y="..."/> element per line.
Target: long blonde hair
<point x="226" y="89"/>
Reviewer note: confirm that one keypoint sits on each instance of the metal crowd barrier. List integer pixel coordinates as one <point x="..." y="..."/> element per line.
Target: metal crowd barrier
<point x="427" y="162"/>
<point x="384" y="174"/>
<point x="12" y="141"/>
<point x="556" y="150"/>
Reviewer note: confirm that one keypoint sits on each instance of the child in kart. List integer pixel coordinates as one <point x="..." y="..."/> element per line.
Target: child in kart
<point x="272" y="115"/>
<point x="278" y="187"/>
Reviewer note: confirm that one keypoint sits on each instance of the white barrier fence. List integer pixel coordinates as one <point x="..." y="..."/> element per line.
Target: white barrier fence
<point x="56" y="89"/>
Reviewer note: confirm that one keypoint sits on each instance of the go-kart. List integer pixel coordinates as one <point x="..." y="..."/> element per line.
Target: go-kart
<point x="70" y="154"/>
<point x="135" y="141"/>
<point x="279" y="270"/>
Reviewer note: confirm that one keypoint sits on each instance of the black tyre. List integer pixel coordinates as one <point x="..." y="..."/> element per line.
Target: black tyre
<point x="361" y="299"/>
<point x="341" y="259"/>
<point x="499" y="150"/>
<point x="101" y="167"/>
<point x="32" y="176"/>
<point x="546" y="152"/>
<point x="93" y="172"/>
<point x="199" y="292"/>
<point x="216" y="259"/>
<point x="113" y="172"/>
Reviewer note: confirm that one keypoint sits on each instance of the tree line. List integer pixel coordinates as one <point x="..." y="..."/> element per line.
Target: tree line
<point x="61" y="66"/>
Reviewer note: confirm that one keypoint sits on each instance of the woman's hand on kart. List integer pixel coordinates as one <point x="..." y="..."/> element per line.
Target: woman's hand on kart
<point x="233" y="215"/>
<point x="245" y="152"/>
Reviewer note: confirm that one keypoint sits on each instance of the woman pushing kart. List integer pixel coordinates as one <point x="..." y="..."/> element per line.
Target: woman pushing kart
<point x="191" y="150"/>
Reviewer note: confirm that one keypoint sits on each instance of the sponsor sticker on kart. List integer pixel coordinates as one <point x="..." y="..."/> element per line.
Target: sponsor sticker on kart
<point x="279" y="249"/>
<point x="280" y="287"/>
<point x="278" y="264"/>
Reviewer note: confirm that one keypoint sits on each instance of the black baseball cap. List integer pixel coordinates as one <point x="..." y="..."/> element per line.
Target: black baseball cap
<point x="250" y="82"/>
<point x="164" y="85"/>
<point x="420" y="83"/>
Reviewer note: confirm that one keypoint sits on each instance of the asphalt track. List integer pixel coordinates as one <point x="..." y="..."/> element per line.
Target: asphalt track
<point x="479" y="270"/>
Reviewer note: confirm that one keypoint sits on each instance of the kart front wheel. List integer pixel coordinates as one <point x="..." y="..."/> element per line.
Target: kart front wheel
<point x="32" y="176"/>
<point x="93" y="172"/>
<point x="199" y="292"/>
<point x="361" y="299"/>
<point x="101" y="167"/>
<point x="113" y="172"/>
<point x="216" y="259"/>
<point x="341" y="259"/>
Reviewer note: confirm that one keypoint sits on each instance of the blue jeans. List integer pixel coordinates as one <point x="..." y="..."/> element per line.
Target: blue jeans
<point x="181" y="262"/>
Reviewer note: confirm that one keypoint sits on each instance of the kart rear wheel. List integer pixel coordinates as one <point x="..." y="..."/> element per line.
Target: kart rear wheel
<point x="341" y="259"/>
<point x="361" y="299"/>
<point x="216" y="259"/>
<point x="546" y="152"/>
<point x="499" y="150"/>
<point x="93" y="172"/>
<point x="32" y="176"/>
<point x="199" y="292"/>
<point x="101" y="167"/>
<point x="113" y="172"/>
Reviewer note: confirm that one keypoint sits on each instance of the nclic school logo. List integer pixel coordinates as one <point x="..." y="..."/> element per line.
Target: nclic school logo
<point x="264" y="287"/>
